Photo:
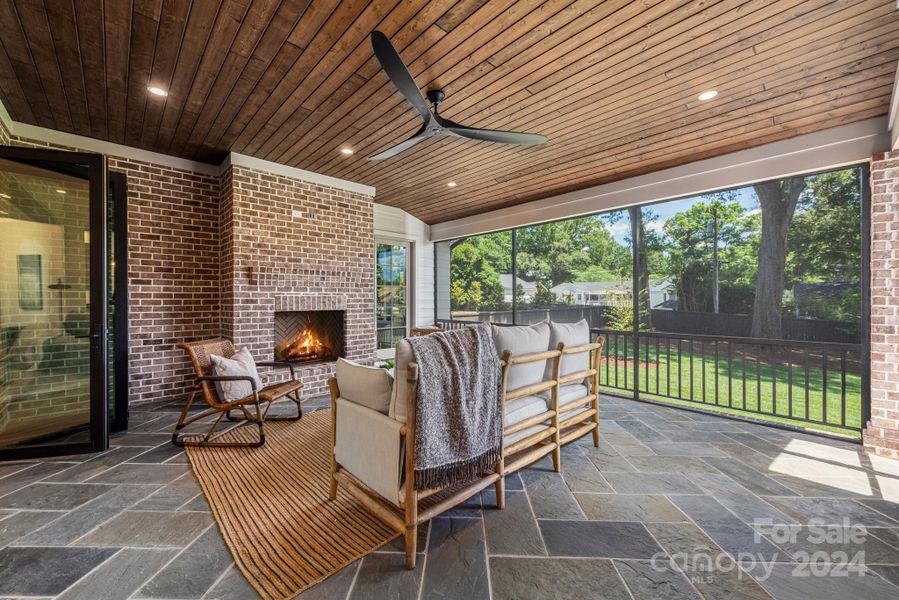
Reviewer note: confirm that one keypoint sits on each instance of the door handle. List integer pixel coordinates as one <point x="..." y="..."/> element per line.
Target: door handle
<point x="94" y="338"/>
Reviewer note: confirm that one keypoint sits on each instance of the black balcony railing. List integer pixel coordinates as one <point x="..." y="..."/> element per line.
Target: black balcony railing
<point x="814" y="385"/>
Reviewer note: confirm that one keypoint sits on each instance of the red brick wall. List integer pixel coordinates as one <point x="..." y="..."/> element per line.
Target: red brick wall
<point x="174" y="262"/>
<point x="296" y="245"/>
<point x="215" y="255"/>
<point x="882" y="433"/>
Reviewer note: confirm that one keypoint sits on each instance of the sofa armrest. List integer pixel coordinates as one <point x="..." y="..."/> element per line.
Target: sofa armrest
<point x="369" y="445"/>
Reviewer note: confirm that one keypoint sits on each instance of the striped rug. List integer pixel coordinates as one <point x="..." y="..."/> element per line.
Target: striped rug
<point x="271" y="505"/>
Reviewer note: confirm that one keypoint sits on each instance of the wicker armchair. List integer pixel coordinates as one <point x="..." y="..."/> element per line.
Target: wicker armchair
<point x="199" y="353"/>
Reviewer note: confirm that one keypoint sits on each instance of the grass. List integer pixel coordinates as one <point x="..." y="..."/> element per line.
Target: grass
<point x="771" y="390"/>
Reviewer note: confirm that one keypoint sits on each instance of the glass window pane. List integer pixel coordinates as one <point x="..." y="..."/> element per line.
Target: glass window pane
<point x="390" y="293"/>
<point x="44" y="325"/>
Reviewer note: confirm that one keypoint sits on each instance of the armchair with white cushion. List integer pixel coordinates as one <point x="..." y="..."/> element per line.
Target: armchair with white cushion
<point x="373" y="425"/>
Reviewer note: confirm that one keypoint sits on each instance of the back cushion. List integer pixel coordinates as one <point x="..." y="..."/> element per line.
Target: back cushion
<point x="523" y="339"/>
<point x="367" y="386"/>
<point x="570" y="334"/>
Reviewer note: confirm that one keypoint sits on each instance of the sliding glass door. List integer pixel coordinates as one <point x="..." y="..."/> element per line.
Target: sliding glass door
<point x="53" y="302"/>
<point x="392" y="264"/>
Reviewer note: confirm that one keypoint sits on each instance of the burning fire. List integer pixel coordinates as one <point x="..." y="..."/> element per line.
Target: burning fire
<point x="304" y="346"/>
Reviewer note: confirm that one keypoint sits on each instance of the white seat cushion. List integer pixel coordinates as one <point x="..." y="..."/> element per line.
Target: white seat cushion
<point x="523" y="339"/>
<point x="568" y="393"/>
<point x="520" y="409"/>
<point x="520" y="435"/>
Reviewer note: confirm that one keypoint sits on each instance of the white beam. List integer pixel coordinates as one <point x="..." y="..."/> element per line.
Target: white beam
<point x="242" y="160"/>
<point x="821" y="150"/>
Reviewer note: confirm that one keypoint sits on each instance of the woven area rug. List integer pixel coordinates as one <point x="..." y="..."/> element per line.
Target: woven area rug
<point x="271" y="505"/>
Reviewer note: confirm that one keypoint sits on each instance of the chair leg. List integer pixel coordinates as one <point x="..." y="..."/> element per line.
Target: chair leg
<point x="295" y="398"/>
<point x="181" y="424"/>
<point x="261" y="424"/>
<point x="332" y="490"/>
<point x="411" y="536"/>
<point x="596" y="436"/>
<point x="500" y="487"/>
<point x="207" y="440"/>
<point x="557" y="457"/>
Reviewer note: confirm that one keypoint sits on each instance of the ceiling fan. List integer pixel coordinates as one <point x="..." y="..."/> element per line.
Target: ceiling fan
<point x="434" y="125"/>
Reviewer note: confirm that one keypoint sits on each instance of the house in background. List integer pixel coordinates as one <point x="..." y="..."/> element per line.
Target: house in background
<point x="528" y="288"/>
<point x="663" y="295"/>
<point x="592" y="293"/>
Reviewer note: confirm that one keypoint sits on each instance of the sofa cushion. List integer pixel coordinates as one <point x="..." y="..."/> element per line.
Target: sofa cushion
<point x="567" y="393"/>
<point x="368" y="386"/>
<point x="523" y="339"/>
<point x="240" y="363"/>
<point x="508" y="440"/>
<point x="520" y="409"/>
<point x="570" y="334"/>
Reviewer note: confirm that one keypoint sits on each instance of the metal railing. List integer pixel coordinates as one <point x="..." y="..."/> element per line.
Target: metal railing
<point x="815" y="385"/>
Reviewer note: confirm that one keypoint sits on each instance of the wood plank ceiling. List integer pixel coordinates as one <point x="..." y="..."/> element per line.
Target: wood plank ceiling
<point x="613" y="84"/>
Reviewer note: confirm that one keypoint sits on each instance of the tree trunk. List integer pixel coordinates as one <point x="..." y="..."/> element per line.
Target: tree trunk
<point x="778" y="203"/>
<point x="643" y="302"/>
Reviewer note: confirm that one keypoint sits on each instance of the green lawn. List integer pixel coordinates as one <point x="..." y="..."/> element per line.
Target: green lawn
<point x="719" y="385"/>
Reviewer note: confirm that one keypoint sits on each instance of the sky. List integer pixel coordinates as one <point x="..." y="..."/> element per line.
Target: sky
<point x="665" y="210"/>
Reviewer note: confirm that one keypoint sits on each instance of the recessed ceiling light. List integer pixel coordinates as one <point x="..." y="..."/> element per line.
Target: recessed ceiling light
<point x="60" y="191"/>
<point x="708" y="95"/>
<point x="346" y="151"/>
<point x="158" y="91"/>
<point x="451" y="184"/>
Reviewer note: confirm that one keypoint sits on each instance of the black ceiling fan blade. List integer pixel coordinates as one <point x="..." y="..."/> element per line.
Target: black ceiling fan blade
<point x="493" y="135"/>
<point x="398" y="73"/>
<point x="402" y="146"/>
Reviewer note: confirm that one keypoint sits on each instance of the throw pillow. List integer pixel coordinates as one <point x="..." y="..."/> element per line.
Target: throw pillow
<point x="523" y="339"/>
<point x="241" y="363"/>
<point x="369" y="386"/>
<point x="570" y="334"/>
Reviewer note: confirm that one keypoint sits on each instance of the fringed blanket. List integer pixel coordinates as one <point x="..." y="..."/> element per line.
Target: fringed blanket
<point x="458" y="417"/>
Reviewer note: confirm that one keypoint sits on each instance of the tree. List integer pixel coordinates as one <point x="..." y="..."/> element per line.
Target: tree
<point x="692" y="239"/>
<point x="777" y="200"/>
<point x="825" y="235"/>
<point x="475" y="266"/>
<point x="543" y="297"/>
<point x="642" y="271"/>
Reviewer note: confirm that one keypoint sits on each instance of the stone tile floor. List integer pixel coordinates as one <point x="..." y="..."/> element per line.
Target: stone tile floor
<point x="674" y="504"/>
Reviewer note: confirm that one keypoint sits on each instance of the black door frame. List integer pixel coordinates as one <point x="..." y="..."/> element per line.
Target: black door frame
<point x="97" y="264"/>
<point x="118" y="188"/>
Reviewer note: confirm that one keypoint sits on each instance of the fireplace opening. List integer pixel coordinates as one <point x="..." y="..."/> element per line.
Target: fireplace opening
<point x="309" y="335"/>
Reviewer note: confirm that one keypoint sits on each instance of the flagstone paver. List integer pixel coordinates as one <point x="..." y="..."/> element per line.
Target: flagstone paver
<point x="673" y="504"/>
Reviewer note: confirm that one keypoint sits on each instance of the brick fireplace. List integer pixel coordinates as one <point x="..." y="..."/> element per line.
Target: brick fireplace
<point x="304" y="336"/>
<point x="297" y="254"/>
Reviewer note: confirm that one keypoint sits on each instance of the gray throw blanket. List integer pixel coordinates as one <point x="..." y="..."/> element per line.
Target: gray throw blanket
<point x="458" y="417"/>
